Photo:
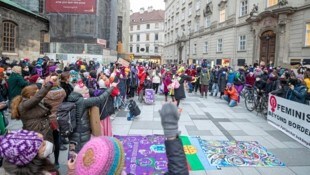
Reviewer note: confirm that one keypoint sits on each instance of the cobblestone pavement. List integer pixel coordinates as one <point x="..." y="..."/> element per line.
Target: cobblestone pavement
<point x="212" y="119"/>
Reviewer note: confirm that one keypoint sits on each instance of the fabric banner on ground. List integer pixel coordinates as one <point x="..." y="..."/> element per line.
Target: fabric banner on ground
<point x="290" y="117"/>
<point x="238" y="153"/>
<point x="147" y="154"/>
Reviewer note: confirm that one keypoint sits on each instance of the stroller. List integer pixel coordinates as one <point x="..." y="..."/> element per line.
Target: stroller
<point x="147" y="94"/>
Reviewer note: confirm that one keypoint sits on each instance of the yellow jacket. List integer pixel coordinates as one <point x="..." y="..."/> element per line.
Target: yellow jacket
<point x="307" y="81"/>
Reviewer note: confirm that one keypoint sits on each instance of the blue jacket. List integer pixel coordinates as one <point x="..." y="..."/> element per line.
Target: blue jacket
<point x="298" y="94"/>
<point x="231" y="78"/>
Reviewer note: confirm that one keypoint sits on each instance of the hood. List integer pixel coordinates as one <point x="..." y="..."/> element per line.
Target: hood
<point x="55" y="94"/>
<point x="74" y="96"/>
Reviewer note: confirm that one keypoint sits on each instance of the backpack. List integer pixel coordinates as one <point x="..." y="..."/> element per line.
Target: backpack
<point x="133" y="108"/>
<point x="66" y="118"/>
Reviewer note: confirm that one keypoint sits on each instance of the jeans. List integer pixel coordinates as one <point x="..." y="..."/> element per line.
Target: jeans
<point x="190" y="87"/>
<point x="215" y="89"/>
<point x="117" y="101"/>
<point x="130" y="116"/>
<point x="231" y="103"/>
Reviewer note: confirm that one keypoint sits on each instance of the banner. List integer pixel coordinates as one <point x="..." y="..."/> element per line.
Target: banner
<point x="290" y="117"/>
<point x="71" y="6"/>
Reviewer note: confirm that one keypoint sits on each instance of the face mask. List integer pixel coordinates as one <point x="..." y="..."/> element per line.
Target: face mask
<point x="8" y="71"/>
<point x="48" y="149"/>
<point x="257" y="79"/>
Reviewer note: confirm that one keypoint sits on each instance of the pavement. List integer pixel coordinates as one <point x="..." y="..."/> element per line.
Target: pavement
<point x="212" y="119"/>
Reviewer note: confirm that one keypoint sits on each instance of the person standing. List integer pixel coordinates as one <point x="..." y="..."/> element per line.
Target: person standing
<point x="204" y="82"/>
<point x="222" y="81"/>
<point x="179" y="92"/>
<point x="156" y="80"/>
<point x="16" y="82"/>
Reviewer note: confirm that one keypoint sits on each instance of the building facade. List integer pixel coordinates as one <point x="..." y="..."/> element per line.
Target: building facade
<point x="22" y="32"/>
<point x="146" y="35"/>
<point x="123" y="24"/>
<point x="237" y="32"/>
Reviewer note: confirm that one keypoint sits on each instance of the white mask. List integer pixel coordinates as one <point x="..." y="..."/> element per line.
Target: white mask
<point x="257" y="79"/>
<point x="49" y="149"/>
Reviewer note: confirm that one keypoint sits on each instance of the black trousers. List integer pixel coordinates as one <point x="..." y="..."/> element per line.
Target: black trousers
<point x="56" y="137"/>
<point x="155" y="87"/>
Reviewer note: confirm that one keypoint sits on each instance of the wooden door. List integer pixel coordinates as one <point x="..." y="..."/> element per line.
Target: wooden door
<point x="268" y="47"/>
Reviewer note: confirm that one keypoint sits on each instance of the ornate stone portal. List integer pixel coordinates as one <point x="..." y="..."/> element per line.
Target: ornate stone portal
<point x="270" y="33"/>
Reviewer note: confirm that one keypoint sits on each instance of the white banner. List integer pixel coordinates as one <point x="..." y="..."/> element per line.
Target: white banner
<point x="290" y="117"/>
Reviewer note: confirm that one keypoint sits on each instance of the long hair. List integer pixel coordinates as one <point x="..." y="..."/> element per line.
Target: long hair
<point x="37" y="166"/>
<point x="27" y="92"/>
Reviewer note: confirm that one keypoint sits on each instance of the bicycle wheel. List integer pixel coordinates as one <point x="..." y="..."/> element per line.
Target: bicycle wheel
<point x="250" y="102"/>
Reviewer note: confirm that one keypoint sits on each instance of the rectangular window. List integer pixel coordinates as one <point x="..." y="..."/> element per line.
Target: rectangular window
<point x="130" y="49"/>
<point x="307" y="43"/>
<point x="148" y="26"/>
<point x="242" y="43"/>
<point x="9" y="37"/>
<point x="156" y="25"/>
<point x="272" y="2"/>
<point x="197" y="26"/>
<point x="208" y="21"/>
<point x="183" y="14"/>
<point x="198" y="4"/>
<point x="131" y="38"/>
<point x="156" y="49"/>
<point x="147" y="37"/>
<point x="131" y="28"/>
<point x="42" y="34"/>
<point x="205" y="48"/>
<point x="41" y="6"/>
<point x="222" y="15"/>
<point x="219" y="45"/>
<point x="244" y="7"/>
<point x="156" y="36"/>
<point x="138" y="27"/>
<point x="177" y="18"/>
<point x="138" y="49"/>
<point x="147" y="49"/>
<point x="138" y="37"/>
<point x="190" y="10"/>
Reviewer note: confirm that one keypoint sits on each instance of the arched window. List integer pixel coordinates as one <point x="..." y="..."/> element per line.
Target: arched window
<point x="9" y="36"/>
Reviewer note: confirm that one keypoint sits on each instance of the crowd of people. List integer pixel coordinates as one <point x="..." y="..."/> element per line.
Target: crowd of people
<point x="34" y="91"/>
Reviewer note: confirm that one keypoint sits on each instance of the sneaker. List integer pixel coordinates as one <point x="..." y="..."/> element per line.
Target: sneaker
<point x="129" y="119"/>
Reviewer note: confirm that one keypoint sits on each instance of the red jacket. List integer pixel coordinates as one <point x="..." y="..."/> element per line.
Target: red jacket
<point x="232" y="93"/>
<point x="250" y="80"/>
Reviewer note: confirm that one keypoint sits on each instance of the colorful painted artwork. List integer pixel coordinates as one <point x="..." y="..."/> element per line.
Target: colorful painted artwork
<point x="238" y="153"/>
<point x="145" y="155"/>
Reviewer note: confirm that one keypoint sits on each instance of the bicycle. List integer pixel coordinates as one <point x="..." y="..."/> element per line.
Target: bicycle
<point x="257" y="100"/>
<point x="247" y="89"/>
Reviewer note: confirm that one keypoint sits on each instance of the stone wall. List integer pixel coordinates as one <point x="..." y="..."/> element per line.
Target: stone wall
<point x="28" y="33"/>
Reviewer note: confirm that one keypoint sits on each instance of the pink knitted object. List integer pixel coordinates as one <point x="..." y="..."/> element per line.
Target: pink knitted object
<point x="102" y="158"/>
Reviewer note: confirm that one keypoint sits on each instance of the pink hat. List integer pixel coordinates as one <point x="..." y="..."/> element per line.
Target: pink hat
<point x="100" y="156"/>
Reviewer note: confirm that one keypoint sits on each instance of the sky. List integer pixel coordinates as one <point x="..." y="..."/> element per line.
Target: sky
<point x="135" y="5"/>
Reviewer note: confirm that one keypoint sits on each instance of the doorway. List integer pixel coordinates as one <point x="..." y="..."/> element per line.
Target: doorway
<point x="268" y="47"/>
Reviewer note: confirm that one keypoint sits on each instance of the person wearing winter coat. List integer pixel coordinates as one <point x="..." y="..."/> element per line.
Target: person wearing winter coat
<point x="82" y="132"/>
<point x="179" y="93"/>
<point x="231" y="95"/>
<point x="297" y="91"/>
<point x="16" y="82"/>
<point x="167" y="80"/>
<point x="214" y="81"/>
<point x="32" y="111"/>
<point x="156" y="80"/>
<point x="250" y="79"/>
<point x="54" y="98"/>
<point x="231" y="76"/>
<point x="222" y="81"/>
<point x="174" y="148"/>
<point x="204" y="79"/>
<point x="65" y="84"/>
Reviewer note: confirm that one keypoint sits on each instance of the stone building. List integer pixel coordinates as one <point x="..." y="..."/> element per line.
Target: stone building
<point x="22" y="32"/>
<point x="237" y="32"/>
<point x="146" y="38"/>
<point x="123" y="24"/>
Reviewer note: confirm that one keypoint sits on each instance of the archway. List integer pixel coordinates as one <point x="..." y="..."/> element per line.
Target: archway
<point x="268" y="47"/>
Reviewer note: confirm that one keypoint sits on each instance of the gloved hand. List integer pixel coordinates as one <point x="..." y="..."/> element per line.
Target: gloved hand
<point x="169" y="119"/>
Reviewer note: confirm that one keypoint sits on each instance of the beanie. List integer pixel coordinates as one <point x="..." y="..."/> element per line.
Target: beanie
<point x="20" y="147"/>
<point x="101" y="155"/>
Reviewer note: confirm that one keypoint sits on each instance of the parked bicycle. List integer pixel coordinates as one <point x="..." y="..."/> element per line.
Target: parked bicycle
<point x="257" y="100"/>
